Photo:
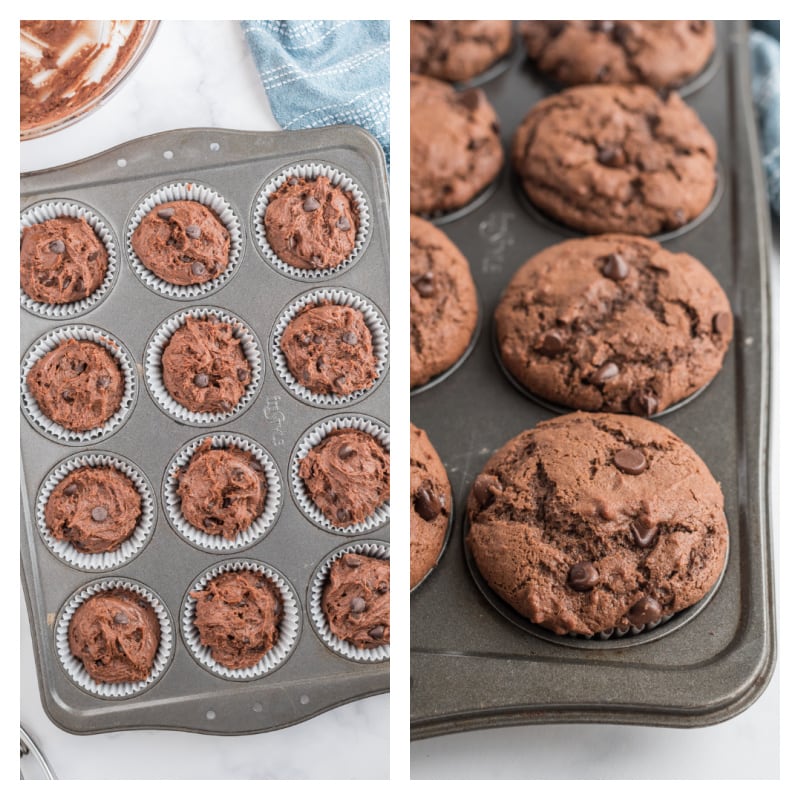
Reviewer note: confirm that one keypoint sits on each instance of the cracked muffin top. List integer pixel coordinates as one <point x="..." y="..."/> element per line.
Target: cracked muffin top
<point x="616" y="159"/>
<point x="613" y="323"/>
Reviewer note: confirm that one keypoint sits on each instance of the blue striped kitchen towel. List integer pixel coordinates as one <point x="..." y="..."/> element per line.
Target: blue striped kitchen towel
<point x="324" y="72"/>
<point x="765" y="55"/>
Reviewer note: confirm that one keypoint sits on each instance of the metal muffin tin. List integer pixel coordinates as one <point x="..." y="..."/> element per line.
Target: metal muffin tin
<point x="187" y="696"/>
<point x="471" y="667"/>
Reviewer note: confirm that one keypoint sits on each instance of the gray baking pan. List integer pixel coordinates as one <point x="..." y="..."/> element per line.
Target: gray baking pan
<point x="188" y="696"/>
<point x="473" y="668"/>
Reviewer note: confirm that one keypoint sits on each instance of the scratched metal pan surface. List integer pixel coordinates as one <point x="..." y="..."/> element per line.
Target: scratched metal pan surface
<point x="188" y="696"/>
<point x="470" y="666"/>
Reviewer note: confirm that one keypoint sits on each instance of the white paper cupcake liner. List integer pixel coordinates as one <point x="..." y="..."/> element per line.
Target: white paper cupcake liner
<point x="218" y="543"/>
<point x="66" y="208"/>
<point x="310" y="171"/>
<point x="311" y="439"/>
<point x="74" y="666"/>
<point x="172" y="193"/>
<point x="340" y="646"/>
<point x="88" y="333"/>
<point x="128" y="549"/>
<point x="154" y="377"/>
<point x="374" y="321"/>
<point x="289" y="625"/>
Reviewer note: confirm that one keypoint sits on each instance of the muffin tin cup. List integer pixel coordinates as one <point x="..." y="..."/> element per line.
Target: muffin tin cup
<point x="310" y="171"/>
<point x="74" y="666"/>
<point x="216" y="543"/>
<point x="289" y="626"/>
<point x="171" y="193"/>
<point x="49" y="342"/>
<point x="339" y="646"/>
<point x="154" y="375"/>
<point x="53" y="209"/>
<point x="374" y="321"/>
<point x="127" y="550"/>
<point x="311" y="439"/>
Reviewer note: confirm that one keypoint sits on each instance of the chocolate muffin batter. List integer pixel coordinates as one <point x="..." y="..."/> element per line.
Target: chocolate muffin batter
<point x="431" y="502"/>
<point x="95" y="509"/>
<point x="183" y="242"/>
<point x="204" y="367"/>
<point x="238" y="615"/>
<point x="444" y="302"/>
<point x="311" y="224"/>
<point x="613" y="323"/>
<point x="590" y="522"/>
<point x="455" y="146"/>
<point x="605" y="159"/>
<point x="61" y="260"/>
<point x="222" y="491"/>
<point x="328" y="349"/>
<point x="456" y="50"/>
<point x="116" y="635"/>
<point x="663" y="54"/>
<point x="78" y="385"/>
<point x="347" y="476"/>
<point x="355" y="600"/>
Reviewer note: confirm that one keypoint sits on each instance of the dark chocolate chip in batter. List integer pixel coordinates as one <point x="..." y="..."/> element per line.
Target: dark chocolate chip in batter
<point x="68" y="395"/>
<point x="723" y="323"/>
<point x="552" y="342"/>
<point x="193" y="231"/>
<point x="310" y="203"/>
<point x="350" y="337"/>
<point x="485" y="488"/>
<point x="583" y="576"/>
<point x="615" y="267"/>
<point x="201" y="380"/>
<point x="352" y="560"/>
<point x="648" y="609"/>
<point x="343" y="224"/>
<point x="166" y="213"/>
<point x="345" y="451"/>
<point x="611" y="156"/>
<point x="241" y="374"/>
<point x="643" y="403"/>
<point x="377" y="632"/>
<point x="605" y="373"/>
<point x="57" y="246"/>
<point x="71" y="489"/>
<point x="424" y="285"/>
<point x="99" y="513"/>
<point x="357" y="605"/>
<point x="103" y="382"/>
<point x="198" y="268"/>
<point x="426" y="503"/>
<point x="630" y="460"/>
<point x="470" y="99"/>
<point x="643" y="534"/>
<point x="121" y="618"/>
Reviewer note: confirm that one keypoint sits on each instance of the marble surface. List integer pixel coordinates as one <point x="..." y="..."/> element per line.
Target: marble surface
<point x="196" y="74"/>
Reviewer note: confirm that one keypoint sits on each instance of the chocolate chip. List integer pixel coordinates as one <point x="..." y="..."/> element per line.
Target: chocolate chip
<point x="99" y="514"/>
<point x="198" y="268"/>
<point x="121" y="618"/>
<point x="643" y="534"/>
<point x="310" y="203"/>
<point x="166" y="213"/>
<point x="211" y="522"/>
<point x="71" y="489"/>
<point x="321" y="363"/>
<point x="643" y="403"/>
<point x="193" y="231"/>
<point x="339" y="383"/>
<point x="485" y="488"/>
<point x="293" y="181"/>
<point x="382" y="587"/>
<point x="723" y="323"/>
<point x="611" y="156"/>
<point x="343" y="224"/>
<point x="552" y="343"/>
<point x="93" y="256"/>
<point x="103" y="382"/>
<point x="68" y="395"/>
<point x="350" y="337"/>
<point x="620" y="33"/>
<point x="57" y="246"/>
<point x="345" y="451"/>
<point x="424" y="284"/>
<point x="630" y="460"/>
<point x="602" y="26"/>
<point x="50" y="281"/>
<point x="605" y="373"/>
<point x="615" y="267"/>
<point x="697" y="25"/>
<point x="357" y="605"/>
<point x="343" y="515"/>
<point x="648" y="609"/>
<point x="426" y="503"/>
<point x="351" y="560"/>
<point x="583" y="576"/>
<point x="79" y="287"/>
<point x="470" y="99"/>
<point x="377" y="632"/>
<point x="201" y="380"/>
<point x="80" y="367"/>
<point x="242" y="374"/>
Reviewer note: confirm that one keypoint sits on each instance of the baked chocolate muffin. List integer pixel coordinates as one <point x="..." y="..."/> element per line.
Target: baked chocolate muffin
<point x="61" y="260"/>
<point x="590" y="523"/>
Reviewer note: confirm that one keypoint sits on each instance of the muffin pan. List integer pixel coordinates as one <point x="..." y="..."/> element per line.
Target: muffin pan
<point x="310" y="677"/>
<point x="707" y="664"/>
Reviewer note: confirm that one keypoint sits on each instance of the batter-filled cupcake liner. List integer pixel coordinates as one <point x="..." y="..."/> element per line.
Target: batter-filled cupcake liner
<point x="310" y="171"/>
<point x="311" y="439"/>
<point x="53" y="209"/>
<point x="127" y="550"/>
<point x="289" y="625"/>
<point x="374" y="321"/>
<point x="74" y="666"/>
<point x="154" y="378"/>
<point x="124" y="360"/>
<point x="371" y="655"/>
<point x="224" y="211"/>
<point x="217" y="543"/>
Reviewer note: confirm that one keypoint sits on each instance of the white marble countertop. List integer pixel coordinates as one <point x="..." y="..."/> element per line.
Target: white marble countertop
<point x="196" y="74"/>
